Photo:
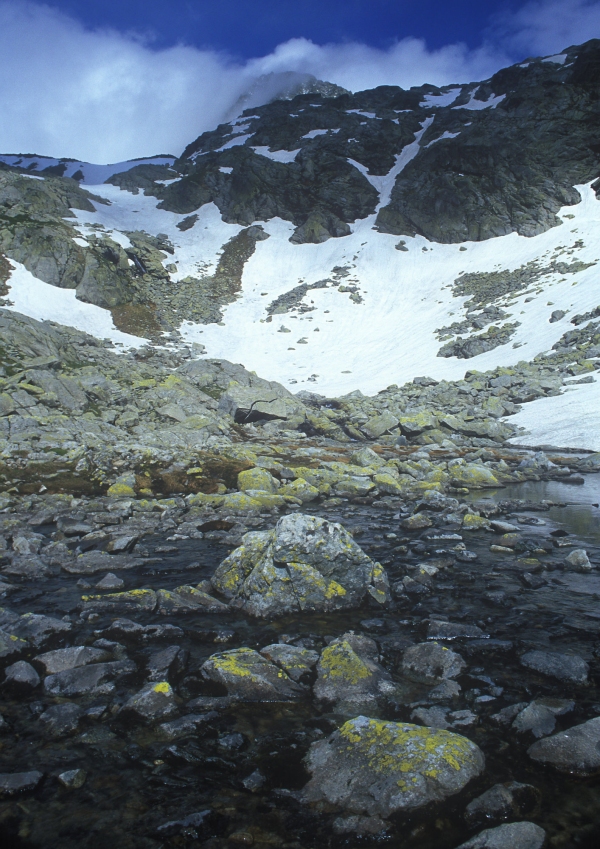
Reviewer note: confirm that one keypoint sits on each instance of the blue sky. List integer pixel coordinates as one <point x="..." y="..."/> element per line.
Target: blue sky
<point x="250" y="28"/>
<point x="109" y="80"/>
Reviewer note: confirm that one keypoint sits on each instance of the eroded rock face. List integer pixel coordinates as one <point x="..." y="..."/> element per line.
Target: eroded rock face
<point x="378" y="768"/>
<point x="306" y="563"/>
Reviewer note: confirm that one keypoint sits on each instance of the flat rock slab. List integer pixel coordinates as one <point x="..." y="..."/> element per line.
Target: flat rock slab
<point x="376" y="768"/>
<point x="565" y="667"/>
<point x="12" y="783"/>
<point x="514" y="835"/>
<point x="576" y="751"/>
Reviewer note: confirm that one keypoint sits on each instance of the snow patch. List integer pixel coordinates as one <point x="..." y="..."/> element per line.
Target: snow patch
<point x="445" y="135"/>
<point x="433" y="100"/>
<point x="277" y="155"/>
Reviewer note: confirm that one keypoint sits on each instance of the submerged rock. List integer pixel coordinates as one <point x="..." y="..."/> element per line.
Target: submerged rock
<point x="514" y="835"/>
<point x="13" y="783"/>
<point x="430" y="663"/>
<point x="305" y="563"/>
<point x="377" y="768"/>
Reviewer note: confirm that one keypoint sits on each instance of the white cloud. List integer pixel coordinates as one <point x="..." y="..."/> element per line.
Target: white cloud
<point x="545" y="27"/>
<point x="104" y="96"/>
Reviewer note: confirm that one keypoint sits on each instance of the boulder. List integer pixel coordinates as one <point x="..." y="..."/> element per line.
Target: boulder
<point x="259" y="479"/>
<point x="565" y="667"/>
<point x="60" y="659"/>
<point x="502" y="802"/>
<point x="21" y="677"/>
<point x="377" y="768"/>
<point x="259" y="400"/>
<point x="576" y="751"/>
<point x="514" y="835"/>
<point x="474" y="476"/>
<point x="378" y="425"/>
<point x="305" y="563"/>
<point x="430" y="663"/>
<point x="250" y="677"/>
<point x="295" y="661"/>
<point x="153" y="703"/>
<point x="95" y="679"/>
<point x="12" y="783"/>
<point x="349" y="675"/>
<point x="61" y="720"/>
<point x="578" y="561"/>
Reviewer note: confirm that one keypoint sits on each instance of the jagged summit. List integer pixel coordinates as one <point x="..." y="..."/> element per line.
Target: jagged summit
<point x="282" y="86"/>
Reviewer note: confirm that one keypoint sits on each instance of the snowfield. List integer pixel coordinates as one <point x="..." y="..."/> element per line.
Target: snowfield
<point x="340" y="345"/>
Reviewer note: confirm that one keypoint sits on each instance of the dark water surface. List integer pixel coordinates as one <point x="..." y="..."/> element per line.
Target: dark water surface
<point x="136" y="781"/>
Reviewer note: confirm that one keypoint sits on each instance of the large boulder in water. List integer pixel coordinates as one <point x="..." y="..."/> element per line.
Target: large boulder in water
<point x="305" y="563"/>
<point x="377" y="768"/>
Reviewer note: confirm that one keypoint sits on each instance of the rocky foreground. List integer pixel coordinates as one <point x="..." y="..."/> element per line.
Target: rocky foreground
<point x="232" y="614"/>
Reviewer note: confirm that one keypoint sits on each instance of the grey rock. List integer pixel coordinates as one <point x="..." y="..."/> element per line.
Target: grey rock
<point x="110" y="582"/>
<point x="21" y="677"/>
<point x="186" y="726"/>
<point x="452" y="631"/>
<point x="61" y="720"/>
<point x="565" y="667"/>
<point x="349" y="675"/>
<point x="11" y="646"/>
<point x="13" y="783"/>
<point x="249" y="676"/>
<point x="305" y="564"/>
<point x="155" y="702"/>
<point x="61" y="659"/>
<point x="254" y="781"/>
<point x="360" y="826"/>
<point x="578" y="560"/>
<point x="162" y="664"/>
<point x="502" y="802"/>
<point x="295" y="662"/>
<point x="576" y="751"/>
<point x="377" y="768"/>
<point x="72" y="779"/>
<point x="429" y="663"/>
<point x="537" y="719"/>
<point x="515" y="835"/>
<point x="95" y="679"/>
<point x="37" y="629"/>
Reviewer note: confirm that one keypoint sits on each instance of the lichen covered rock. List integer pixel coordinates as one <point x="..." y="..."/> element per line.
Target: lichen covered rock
<point x="350" y="676"/>
<point x="249" y="676"/>
<point x="377" y="768"/>
<point x="305" y="563"/>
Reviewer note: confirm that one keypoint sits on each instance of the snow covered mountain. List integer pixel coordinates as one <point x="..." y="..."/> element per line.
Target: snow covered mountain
<point x="336" y="242"/>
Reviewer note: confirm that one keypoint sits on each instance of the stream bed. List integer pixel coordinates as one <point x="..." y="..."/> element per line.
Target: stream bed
<point x="234" y="777"/>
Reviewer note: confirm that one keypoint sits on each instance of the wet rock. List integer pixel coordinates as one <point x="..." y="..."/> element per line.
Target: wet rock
<point x="93" y="562"/>
<point x="473" y="476"/>
<point x="142" y="599"/>
<point x="13" y="783"/>
<point x="565" y="667"/>
<point x="153" y="703"/>
<point x="295" y="661"/>
<point x="349" y="675"/>
<point x="429" y="663"/>
<point x="21" y="677"/>
<point x="377" y="768"/>
<point x="167" y="661"/>
<point x="250" y="677"/>
<point x="360" y="825"/>
<point x="502" y="802"/>
<point x="254" y="781"/>
<point x="186" y="726"/>
<point x="110" y="582"/>
<point x="61" y="720"/>
<point x="537" y="719"/>
<point x="418" y="522"/>
<point x="72" y="779"/>
<point x="11" y="646"/>
<point x="37" y="629"/>
<point x="186" y="599"/>
<point x="306" y="563"/>
<point x="516" y="835"/>
<point x="95" y="679"/>
<point x="575" y="751"/>
<point x="202" y="823"/>
<point x="437" y="630"/>
<point x="578" y="561"/>
<point x="61" y="659"/>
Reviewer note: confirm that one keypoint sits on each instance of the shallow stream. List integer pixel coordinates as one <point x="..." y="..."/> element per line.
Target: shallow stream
<point x="137" y="781"/>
